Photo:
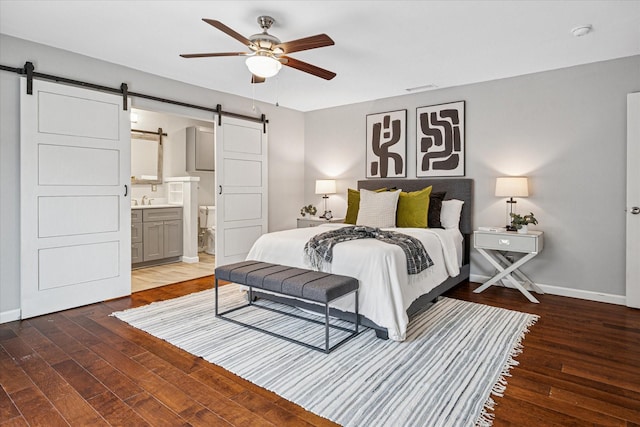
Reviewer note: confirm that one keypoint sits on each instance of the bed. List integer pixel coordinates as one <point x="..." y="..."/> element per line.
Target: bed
<point x="389" y="296"/>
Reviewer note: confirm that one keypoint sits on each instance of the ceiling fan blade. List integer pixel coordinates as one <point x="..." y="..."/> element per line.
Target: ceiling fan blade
<point x="257" y="79"/>
<point x="307" y="68"/>
<point x="313" y="42"/>
<point x="219" y="25"/>
<point x="206" y="55"/>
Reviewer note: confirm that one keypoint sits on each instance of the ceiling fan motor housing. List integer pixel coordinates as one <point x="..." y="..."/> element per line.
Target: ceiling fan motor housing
<point x="265" y="41"/>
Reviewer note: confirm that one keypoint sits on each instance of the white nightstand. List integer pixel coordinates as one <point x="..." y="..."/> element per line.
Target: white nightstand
<point x="491" y="245"/>
<point x="315" y="221"/>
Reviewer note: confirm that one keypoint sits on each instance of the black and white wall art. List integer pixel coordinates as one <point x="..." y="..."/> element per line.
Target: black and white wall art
<point x="387" y="145"/>
<point x="440" y="140"/>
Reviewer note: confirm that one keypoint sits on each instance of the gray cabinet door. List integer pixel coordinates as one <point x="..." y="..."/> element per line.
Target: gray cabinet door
<point x="153" y="236"/>
<point x="136" y="233"/>
<point x="172" y="238"/>
<point x="158" y="235"/>
<point x="136" y="253"/>
<point x="205" y="153"/>
<point x="200" y="149"/>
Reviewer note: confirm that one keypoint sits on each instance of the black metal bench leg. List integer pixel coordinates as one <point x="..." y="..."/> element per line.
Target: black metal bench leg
<point x="216" y="282"/>
<point x="357" y="315"/>
<point x="326" y="328"/>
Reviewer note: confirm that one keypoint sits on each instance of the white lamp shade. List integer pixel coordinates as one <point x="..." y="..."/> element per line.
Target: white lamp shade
<point x="263" y="66"/>
<point x="512" y="186"/>
<point x="325" y="186"/>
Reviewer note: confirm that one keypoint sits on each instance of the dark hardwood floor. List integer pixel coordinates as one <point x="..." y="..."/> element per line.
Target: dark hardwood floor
<point x="580" y="366"/>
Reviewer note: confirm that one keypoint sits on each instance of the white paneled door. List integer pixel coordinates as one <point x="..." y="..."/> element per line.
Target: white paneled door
<point x="75" y="213"/>
<point x="633" y="200"/>
<point x="241" y="196"/>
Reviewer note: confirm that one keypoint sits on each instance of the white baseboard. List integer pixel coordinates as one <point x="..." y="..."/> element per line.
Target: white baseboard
<point x="566" y="292"/>
<point x="190" y="259"/>
<point x="9" y="315"/>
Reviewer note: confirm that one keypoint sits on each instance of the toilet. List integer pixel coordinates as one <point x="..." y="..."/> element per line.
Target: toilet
<point x="208" y="228"/>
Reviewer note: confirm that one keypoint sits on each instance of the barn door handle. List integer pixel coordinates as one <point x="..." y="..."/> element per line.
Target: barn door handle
<point x="220" y="189"/>
<point x="126" y="190"/>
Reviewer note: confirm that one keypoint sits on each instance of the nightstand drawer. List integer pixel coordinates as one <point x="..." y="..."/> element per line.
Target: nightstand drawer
<point x="315" y="221"/>
<point x="507" y="242"/>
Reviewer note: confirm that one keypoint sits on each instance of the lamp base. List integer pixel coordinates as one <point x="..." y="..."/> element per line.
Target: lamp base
<point x="326" y="212"/>
<point x="326" y="215"/>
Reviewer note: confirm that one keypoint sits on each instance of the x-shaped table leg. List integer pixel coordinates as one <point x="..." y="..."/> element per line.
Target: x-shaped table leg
<point x="519" y="273"/>
<point x="506" y="273"/>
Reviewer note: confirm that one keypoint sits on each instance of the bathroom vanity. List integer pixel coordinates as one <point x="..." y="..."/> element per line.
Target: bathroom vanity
<point x="156" y="235"/>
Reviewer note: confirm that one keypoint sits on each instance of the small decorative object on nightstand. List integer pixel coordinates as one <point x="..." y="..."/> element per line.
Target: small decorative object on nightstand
<point x="521" y="223"/>
<point x="492" y="246"/>
<point x="311" y="210"/>
<point x="315" y="221"/>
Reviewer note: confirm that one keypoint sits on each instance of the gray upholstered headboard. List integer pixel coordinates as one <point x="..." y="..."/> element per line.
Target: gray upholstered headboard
<point x="456" y="188"/>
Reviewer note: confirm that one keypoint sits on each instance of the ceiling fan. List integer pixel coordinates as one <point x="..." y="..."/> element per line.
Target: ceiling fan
<point x="268" y="54"/>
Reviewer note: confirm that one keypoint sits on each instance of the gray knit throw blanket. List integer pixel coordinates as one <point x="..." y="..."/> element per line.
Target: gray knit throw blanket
<point x="319" y="249"/>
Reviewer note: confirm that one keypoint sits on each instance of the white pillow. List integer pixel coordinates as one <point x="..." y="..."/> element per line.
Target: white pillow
<point x="378" y="209"/>
<point x="450" y="213"/>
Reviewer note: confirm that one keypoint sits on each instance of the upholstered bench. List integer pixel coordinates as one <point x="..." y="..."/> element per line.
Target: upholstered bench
<point x="299" y="283"/>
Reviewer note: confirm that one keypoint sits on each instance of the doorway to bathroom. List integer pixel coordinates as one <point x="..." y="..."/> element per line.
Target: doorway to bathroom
<point x="218" y="173"/>
<point x="167" y="177"/>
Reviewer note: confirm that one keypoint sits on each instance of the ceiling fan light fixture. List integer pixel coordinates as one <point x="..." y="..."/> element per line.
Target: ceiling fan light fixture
<point x="263" y="66"/>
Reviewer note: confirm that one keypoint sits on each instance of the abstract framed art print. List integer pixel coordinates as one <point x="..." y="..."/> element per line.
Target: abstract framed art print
<point x="387" y="145"/>
<point x="440" y="144"/>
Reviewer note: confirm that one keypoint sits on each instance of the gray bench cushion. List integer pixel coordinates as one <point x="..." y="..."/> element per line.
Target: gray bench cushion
<point x="296" y="282"/>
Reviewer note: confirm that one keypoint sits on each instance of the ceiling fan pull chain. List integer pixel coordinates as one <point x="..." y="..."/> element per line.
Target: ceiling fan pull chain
<point x="277" y="90"/>
<point x="253" y="97"/>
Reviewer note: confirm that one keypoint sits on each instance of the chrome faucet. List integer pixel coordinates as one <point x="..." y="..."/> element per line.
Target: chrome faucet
<point x="143" y="199"/>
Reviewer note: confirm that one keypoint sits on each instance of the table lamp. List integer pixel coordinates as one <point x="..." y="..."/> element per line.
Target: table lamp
<point x="325" y="187"/>
<point x="512" y="186"/>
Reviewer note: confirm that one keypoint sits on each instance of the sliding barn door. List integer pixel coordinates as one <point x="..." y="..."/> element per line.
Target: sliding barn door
<point x="75" y="208"/>
<point x="241" y="196"/>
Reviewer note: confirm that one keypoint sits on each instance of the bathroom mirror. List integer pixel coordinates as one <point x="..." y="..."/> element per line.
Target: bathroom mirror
<point x="146" y="156"/>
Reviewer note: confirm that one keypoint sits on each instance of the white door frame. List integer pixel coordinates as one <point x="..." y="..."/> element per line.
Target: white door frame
<point x="633" y="200"/>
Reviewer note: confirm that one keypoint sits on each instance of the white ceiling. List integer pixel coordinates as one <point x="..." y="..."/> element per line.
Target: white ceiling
<point x="381" y="47"/>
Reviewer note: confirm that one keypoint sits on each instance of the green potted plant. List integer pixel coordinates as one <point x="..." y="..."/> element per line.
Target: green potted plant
<point x="311" y="210"/>
<point x="521" y="223"/>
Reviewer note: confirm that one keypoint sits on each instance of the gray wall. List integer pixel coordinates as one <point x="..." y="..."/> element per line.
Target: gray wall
<point x="286" y="133"/>
<point x="564" y="129"/>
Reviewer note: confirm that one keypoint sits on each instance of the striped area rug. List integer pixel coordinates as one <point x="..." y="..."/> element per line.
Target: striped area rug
<point x="456" y="356"/>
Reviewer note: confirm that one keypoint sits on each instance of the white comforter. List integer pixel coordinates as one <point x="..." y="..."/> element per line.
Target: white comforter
<point x="386" y="289"/>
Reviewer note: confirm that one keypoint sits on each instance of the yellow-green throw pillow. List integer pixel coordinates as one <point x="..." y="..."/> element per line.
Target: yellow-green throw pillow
<point x="413" y="208"/>
<point x="353" y="205"/>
